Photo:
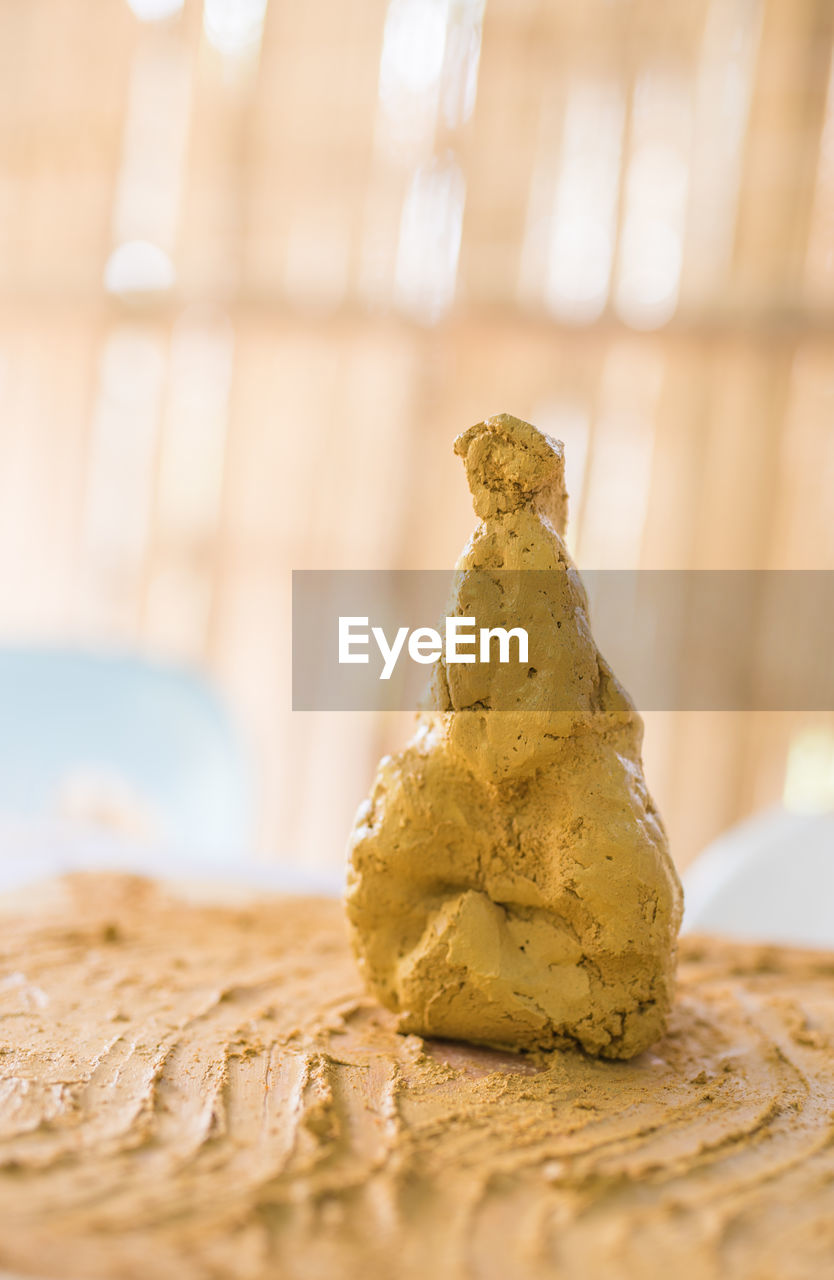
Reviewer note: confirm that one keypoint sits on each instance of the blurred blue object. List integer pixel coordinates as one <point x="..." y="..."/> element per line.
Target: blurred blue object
<point x="124" y="730"/>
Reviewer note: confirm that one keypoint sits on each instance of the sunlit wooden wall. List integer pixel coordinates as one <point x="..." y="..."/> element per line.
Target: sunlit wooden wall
<point x="257" y="274"/>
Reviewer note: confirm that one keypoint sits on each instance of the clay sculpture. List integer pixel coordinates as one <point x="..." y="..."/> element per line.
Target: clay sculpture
<point x="509" y="879"/>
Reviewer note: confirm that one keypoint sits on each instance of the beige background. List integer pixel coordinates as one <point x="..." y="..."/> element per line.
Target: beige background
<point x="261" y="262"/>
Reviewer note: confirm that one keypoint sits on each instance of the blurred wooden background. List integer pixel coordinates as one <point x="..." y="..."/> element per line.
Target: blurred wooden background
<point x="260" y="262"/>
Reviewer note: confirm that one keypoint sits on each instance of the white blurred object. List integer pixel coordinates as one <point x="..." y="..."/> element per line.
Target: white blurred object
<point x="138" y="267"/>
<point x="234" y="27"/>
<point x="155" y="10"/>
<point x="770" y="878"/>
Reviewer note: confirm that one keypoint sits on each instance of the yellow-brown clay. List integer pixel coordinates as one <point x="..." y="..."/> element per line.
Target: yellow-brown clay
<point x="510" y="882"/>
<point x="192" y="1091"/>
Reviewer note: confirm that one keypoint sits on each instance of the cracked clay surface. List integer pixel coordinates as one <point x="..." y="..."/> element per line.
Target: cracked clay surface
<point x="510" y="882"/>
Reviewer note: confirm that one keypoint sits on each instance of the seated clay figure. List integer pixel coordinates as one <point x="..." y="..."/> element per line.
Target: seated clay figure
<point x="510" y="882"/>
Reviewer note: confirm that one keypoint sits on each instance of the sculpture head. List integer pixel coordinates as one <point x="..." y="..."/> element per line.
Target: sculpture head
<point x="510" y="464"/>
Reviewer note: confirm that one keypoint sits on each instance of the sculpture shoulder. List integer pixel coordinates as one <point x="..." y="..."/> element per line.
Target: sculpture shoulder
<point x="521" y="539"/>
